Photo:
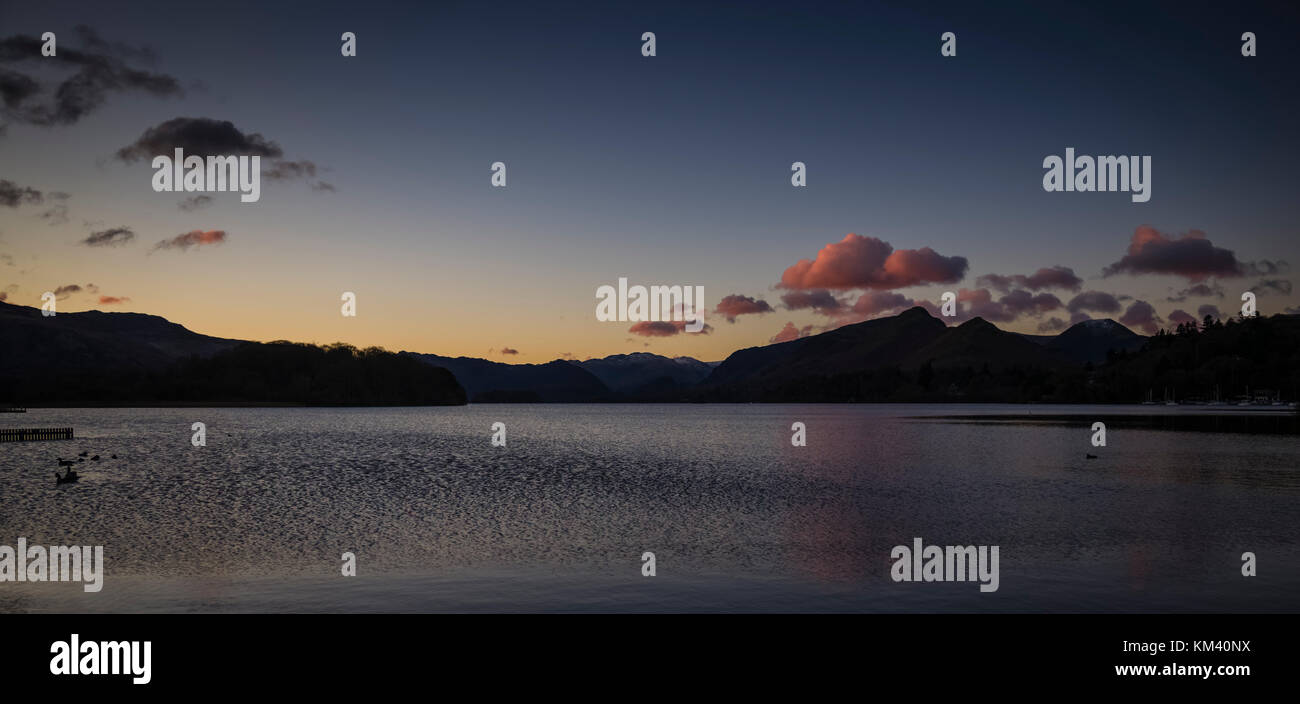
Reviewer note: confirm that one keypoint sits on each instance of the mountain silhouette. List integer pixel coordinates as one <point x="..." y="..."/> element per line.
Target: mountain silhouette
<point x="1091" y="340"/>
<point x="131" y="358"/>
<point x="96" y="358"/>
<point x="494" y="382"/>
<point x="96" y="340"/>
<point x="643" y="372"/>
<point x="874" y="360"/>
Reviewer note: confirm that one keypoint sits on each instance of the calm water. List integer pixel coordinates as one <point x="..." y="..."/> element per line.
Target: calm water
<point x="738" y="518"/>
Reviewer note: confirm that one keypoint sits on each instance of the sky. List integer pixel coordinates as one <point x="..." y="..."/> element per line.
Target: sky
<point x="924" y="172"/>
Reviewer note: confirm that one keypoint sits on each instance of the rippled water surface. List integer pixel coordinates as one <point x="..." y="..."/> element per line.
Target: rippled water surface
<point x="738" y="518"/>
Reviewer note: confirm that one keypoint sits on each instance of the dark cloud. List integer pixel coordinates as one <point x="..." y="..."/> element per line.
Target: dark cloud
<point x="90" y="39"/>
<point x="198" y="136"/>
<point x="63" y="292"/>
<point x="1062" y="277"/>
<point x="203" y="136"/>
<point x="509" y="350"/>
<point x="113" y="300"/>
<point x="195" y="203"/>
<point x="1267" y="286"/>
<point x="1266" y="268"/>
<point x="1142" y="315"/>
<point x="112" y="237"/>
<point x="1021" y="302"/>
<point x="1210" y="310"/>
<point x="284" y="170"/>
<point x="871" y="263"/>
<point x="735" y="305"/>
<point x="980" y="303"/>
<point x="817" y="299"/>
<point x="875" y="303"/>
<point x="1191" y="255"/>
<point x="15" y="88"/>
<point x="12" y="195"/>
<point x="194" y="238"/>
<point x="1180" y="317"/>
<point x="1197" y="291"/>
<point x="1096" y="301"/>
<point x="1052" y="325"/>
<point x="56" y="214"/>
<point x="95" y="73"/>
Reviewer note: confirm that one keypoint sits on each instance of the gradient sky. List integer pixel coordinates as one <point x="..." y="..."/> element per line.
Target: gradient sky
<point x="667" y="170"/>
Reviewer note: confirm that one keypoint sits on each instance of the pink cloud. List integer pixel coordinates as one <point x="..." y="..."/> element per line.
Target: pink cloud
<point x="867" y="262"/>
<point x="790" y="332"/>
<point x="735" y="305"/>
<point x="194" y="238"/>
<point x="663" y="328"/>
<point x="1191" y="255"/>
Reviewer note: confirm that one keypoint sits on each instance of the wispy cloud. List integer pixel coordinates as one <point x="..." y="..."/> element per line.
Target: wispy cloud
<point x="195" y="238"/>
<point x="95" y="73"/>
<point x="112" y="237"/>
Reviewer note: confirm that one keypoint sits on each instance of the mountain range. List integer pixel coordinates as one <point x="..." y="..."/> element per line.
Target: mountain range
<point x="910" y="356"/>
<point x="1090" y="341"/>
<point x="65" y="342"/>
<point x="115" y="359"/>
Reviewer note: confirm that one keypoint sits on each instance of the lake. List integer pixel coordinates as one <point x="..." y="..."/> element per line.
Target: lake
<point x="738" y="519"/>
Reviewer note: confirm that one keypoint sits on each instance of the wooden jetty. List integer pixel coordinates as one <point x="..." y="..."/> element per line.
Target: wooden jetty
<point x="13" y="410"/>
<point x="25" y="434"/>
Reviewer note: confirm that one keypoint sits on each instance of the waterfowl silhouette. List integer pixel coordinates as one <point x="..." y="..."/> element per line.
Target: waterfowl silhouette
<point x="64" y="463"/>
<point x="67" y="478"/>
<point x="83" y="453"/>
<point x="95" y="458"/>
<point x="1088" y="456"/>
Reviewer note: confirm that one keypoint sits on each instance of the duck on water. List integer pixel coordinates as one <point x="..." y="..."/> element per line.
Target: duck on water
<point x="71" y="475"/>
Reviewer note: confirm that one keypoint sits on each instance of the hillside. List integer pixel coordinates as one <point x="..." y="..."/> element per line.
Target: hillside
<point x="494" y="382"/>
<point x="99" y="358"/>
<point x="96" y="340"/>
<point x="130" y="358"/>
<point x="642" y="371"/>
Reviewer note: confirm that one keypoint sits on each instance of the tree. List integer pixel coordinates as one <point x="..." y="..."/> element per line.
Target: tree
<point x="926" y="374"/>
